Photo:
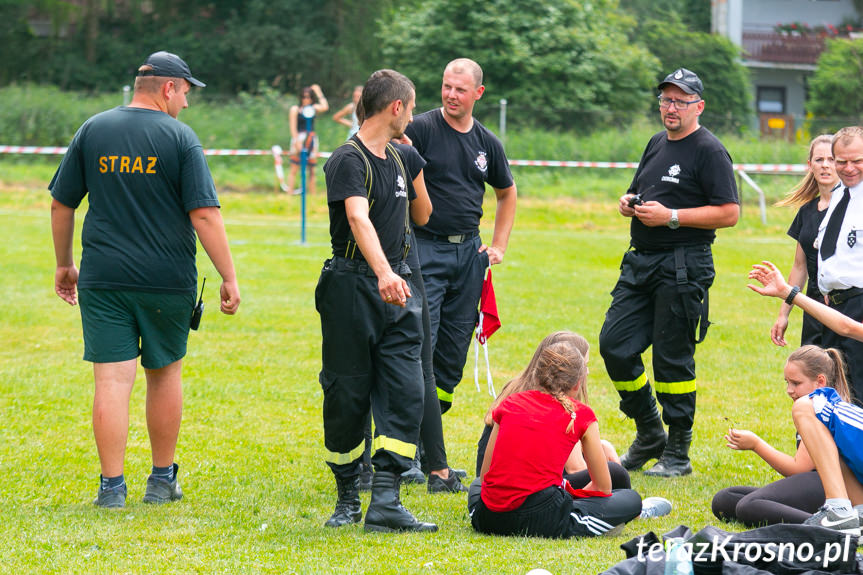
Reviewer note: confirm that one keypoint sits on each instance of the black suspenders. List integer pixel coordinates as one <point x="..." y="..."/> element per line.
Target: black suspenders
<point x="351" y="249"/>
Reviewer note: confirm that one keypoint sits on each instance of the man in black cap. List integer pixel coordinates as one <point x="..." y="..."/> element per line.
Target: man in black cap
<point x="683" y="190"/>
<point x="150" y="192"/>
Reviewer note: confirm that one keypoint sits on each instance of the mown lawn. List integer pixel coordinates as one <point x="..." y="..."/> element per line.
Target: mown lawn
<point x="251" y="452"/>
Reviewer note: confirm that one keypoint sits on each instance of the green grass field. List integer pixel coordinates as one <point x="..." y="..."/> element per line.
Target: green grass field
<point x="251" y="450"/>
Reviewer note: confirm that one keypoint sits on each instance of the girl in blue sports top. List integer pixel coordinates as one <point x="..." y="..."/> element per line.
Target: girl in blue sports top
<point x="799" y="494"/>
<point x="831" y="428"/>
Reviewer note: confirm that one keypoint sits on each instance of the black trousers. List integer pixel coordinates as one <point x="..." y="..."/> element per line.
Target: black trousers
<point x="851" y="348"/>
<point x="553" y="513"/>
<point x="431" y="430"/>
<point x="810" y="332"/>
<point x="653" y="305"/>
<point x="792" y="499"/>
<point x="371" y="359"/>
<point x="453" y="275"/>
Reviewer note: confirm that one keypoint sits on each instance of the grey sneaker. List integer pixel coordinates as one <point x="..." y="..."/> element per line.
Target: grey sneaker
<point x="160" y="490"/>
<point x="655" y="507"/>
<point x="112" y="498"/>
<point x="827" y="517"/>
<point x="438" y="484"/>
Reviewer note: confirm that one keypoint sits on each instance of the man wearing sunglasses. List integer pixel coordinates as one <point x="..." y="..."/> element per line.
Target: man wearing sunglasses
<point x="683" y="190"/>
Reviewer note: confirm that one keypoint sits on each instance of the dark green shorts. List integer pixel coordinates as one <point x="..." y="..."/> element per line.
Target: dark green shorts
<point x="121" y="325"/>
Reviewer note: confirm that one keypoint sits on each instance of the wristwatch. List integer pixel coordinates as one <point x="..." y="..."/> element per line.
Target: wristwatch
<point x="673" y="223"/>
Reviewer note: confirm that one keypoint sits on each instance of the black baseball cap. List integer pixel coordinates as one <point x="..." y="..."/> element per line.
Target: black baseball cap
<point x="165" y="64"/>
<point x="686" y="80"/>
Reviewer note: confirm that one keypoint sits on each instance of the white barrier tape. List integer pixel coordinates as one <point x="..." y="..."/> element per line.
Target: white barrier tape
<point x="32" y="150"/>
<point x="756" y="168"/>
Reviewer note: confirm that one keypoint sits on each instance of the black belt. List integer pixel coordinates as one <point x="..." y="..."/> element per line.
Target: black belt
<point x="654" y="251"/>
<point x="839" y="296"/>
<point x="362" y="267"/>
<point x="453" y="239"/>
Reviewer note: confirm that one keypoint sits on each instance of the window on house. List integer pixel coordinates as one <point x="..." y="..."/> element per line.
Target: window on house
<point x="771" y="100"/>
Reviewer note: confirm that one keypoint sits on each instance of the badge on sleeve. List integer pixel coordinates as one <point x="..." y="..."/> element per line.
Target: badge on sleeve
<point x="852" y="238"/>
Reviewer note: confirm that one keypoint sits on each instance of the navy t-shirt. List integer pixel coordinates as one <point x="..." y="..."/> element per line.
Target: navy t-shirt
<point x="459" y="165"/>
<point x="689" y="173"/>
<point x="345" y="174"/>
<point x="142" y="171"/>
<point x="804" y="229"/>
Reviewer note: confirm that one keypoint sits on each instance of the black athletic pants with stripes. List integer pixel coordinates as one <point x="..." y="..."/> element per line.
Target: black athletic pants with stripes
<point x="554" y="513"/>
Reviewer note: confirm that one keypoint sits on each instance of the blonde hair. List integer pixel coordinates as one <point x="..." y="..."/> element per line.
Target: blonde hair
<point x="846" y="136"/>
<point x="527" y="379"/>
<point x="814" y="361"/>
<point x="467" y="66"/>
<point x="560" y="369"/>
<point x="807" y="189"/>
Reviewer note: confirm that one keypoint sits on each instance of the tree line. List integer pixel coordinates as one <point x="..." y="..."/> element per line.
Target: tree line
<point x="560" y="63"/>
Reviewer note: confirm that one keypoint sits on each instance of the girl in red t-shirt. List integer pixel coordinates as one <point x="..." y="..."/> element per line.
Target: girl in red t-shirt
<point x="575" y="470"/>
<point x="521" y="490"/>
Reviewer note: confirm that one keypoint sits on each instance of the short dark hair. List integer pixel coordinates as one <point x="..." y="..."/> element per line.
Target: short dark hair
<point x="382" y="88"/>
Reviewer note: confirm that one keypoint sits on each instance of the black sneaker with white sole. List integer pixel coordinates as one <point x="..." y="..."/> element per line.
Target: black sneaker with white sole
<point x="452" y="484"/>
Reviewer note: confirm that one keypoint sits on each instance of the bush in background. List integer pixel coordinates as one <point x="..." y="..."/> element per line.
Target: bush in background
<point x="836" y="87"/>
<point x="567" y="65"/>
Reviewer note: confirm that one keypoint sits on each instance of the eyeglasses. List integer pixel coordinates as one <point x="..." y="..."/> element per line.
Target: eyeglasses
<point x="858" y="163"/>
<point x="678" y="104"/>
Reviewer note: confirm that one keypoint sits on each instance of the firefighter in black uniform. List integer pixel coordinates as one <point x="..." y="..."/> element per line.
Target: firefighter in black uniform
<point x="683" y="190"/>
<point x="371" y="326"/>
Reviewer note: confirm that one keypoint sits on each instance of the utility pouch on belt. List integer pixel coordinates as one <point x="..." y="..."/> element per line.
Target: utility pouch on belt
<point x="683" y="288"/>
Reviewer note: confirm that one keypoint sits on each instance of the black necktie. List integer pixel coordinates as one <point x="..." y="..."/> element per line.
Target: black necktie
<point x="831" y="234"/>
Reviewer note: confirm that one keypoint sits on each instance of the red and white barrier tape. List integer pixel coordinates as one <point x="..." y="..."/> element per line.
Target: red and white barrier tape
<point x="755" y="168"/>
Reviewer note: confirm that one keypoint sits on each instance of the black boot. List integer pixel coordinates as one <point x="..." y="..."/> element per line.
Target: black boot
<point x="649" y="439"/>
<point x="386" y="512"/>
<point x="348" y="508"/>
<point x="675" y="459"/>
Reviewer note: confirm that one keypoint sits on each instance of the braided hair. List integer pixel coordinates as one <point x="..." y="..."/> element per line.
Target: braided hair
<point x="527" y="379"/>
<point x="561" y="372"/>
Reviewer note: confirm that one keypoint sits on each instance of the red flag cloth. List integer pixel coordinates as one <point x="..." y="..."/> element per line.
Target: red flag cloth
<point x="582" y="493"/>
<point x="489" y="321"/>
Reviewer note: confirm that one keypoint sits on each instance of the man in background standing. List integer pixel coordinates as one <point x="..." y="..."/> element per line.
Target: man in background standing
<point x="462" y="156"/>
